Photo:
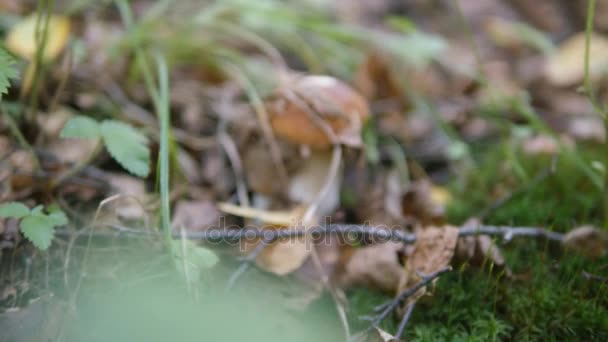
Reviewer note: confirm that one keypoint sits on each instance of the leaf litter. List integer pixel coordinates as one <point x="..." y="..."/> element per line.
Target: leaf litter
<point x="365" y="120"/>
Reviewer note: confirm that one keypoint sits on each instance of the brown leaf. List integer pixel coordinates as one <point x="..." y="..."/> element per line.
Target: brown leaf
<point x="588" y="241"/>
<point x="589" y="128"/>
<point x="72" y="151"/>
<point x="478" y="250"/>
<point x="433" y="249"/>
<point x="539" y="145"/>
<point x="52" y="123"/>
<point x="376" y="81"/>
<point x="283" y="256"/>
<point x="260" y="171"/>
<point x="129" y="207"/>
<point x="375" y="266"/>
<point x="195" y="215"/>
<point x="425" y="202"/>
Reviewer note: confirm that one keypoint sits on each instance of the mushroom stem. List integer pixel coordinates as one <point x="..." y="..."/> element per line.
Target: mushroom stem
<point x="330" y="179"/>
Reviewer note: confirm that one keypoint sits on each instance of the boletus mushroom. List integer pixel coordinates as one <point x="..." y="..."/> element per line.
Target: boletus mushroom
<point x="317" y="113"/>
<point x="312" y="110"/>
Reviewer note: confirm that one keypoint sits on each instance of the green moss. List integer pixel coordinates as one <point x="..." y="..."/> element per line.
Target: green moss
<point x="547" y="298"/>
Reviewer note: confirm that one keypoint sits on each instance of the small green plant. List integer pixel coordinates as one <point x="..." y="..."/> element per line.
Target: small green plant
<point x="36" y="225"/>
<point x="126" y="145"/>
<point x="8" y="71"/>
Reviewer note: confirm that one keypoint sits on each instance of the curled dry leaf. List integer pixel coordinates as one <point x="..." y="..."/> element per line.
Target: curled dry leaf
<point x="375" y="266"/>
<point x="280" y="257"/>
<point x="433" y="251"/>
<point x="566" y="66"/>
<point x="376" y="81"/>
<point x="587" y="240"/>
<point x="478" y="250"/>
<point x="306" y="107"/>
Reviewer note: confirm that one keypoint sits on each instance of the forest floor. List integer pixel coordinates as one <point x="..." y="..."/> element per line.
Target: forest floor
<point x="472" y="133"/>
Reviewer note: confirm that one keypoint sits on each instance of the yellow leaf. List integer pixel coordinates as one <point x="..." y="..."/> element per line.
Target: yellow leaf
<point x="566" y="66"/>
<point x="440" y="196"/>
<point x="279" y="218"/>
<point x="21" y="39"/>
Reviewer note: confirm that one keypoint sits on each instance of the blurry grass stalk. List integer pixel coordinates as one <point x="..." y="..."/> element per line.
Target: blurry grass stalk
<point x="36" y="68"/>
<point x="160" y="98"/>
<point x="162" y="106"/>
<point x="599" y="108"/>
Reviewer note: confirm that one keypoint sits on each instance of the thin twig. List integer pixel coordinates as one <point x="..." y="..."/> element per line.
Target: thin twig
<point x="404" y="320"/>
<point x="595" y="277"/>
<point x="381" y="234"/>
<point x="232" y="153"/>
<point x="426" y="279"/>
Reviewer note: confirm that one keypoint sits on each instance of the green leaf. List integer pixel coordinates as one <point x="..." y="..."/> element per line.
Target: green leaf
<point x="57" y="217"/>
<point x="127" y="146"/>
<point x="81" y="127"/>
<point x="8" y="71"/>
<point x="39" y="229"/>
<point x="14" y="209"/>
<point x="37" y="210"/>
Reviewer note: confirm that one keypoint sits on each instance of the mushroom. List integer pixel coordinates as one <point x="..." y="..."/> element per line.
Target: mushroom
<point x="317" y="113"/>
<point x="300" y="110"/>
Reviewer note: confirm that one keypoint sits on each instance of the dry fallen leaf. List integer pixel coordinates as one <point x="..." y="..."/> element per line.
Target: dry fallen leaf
<point x="281" y="257"/>
<point x="375" y="266"/>
<point x="129" y="207"/>
<point x="433" y="251"/>
<point x="425" y="202"/>
<point x="67" y="151"/>
<point x="278" y="218"/>
<point x="195" y="215"/>
<point x="587" y="240"/>
<point x="540" y="145"/>
<point x="52" y="123"/>
<point x="21" y="38"/>
<point x="587" y="128"/>
<point x="566" y="66"/>
<point x="479" y="249"/>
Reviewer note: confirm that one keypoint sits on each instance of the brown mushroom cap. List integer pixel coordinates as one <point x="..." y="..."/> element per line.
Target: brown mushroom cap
<point x="296" y="112"/>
